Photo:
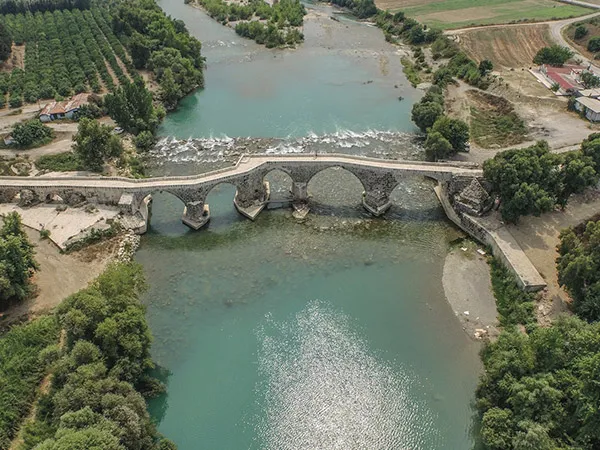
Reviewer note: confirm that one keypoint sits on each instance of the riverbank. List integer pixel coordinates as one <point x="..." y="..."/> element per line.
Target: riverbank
<point x="468" y="289"/>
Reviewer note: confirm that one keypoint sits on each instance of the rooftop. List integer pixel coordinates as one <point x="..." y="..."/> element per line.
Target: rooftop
<point x="65" y="106"/>
<point x="590" y="103"/>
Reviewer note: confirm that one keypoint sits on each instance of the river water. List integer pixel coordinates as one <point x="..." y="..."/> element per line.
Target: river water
<point x="328" y="334"/>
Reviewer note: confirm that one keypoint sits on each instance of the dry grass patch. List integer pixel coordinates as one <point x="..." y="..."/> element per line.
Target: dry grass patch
<point x="513" y="46"/>
<point x="494" y="122"/>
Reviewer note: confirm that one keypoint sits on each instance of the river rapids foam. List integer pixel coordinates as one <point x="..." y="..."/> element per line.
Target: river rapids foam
<point x="377" y="143"/>
<point x="324" y="389"/>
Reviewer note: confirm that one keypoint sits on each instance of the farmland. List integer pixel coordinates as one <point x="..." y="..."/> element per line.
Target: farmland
<point x="66" y="52"/>
<point x="463" y="13"/>
<point x="505" y="46"/>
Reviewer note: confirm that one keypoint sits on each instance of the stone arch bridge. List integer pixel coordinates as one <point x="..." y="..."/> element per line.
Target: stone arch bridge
<point x="379" y="177"/>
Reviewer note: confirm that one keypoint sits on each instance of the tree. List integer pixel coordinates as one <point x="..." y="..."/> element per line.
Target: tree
<point x="131" y="107"/>
<point x="594" y="44"/>
<point x="578" y="267"/>
<point x="17" y="262"/>
<point x="31" y="133"/>
<point x="5" y="43"/>
<point x="455" y="131"/>
<point x="140" y="50"/>
<point x="425" y="114"/>
<point x="437" y="146"/>
<point x="169" y="90"/>
<point x="533" y="180"/>
<point x="580" y="32"/>
<point x="591" y="147"/>
<point x="94" y="143"/>
<point x="554" y="55"/>
<point x="485" y="67"/>
<point x="590" y="80"/>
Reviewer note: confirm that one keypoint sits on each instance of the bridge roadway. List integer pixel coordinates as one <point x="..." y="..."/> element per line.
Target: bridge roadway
<point x="378" y="176"/>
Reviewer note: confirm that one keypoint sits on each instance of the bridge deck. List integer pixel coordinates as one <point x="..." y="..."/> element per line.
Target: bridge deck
<point x="245" y="165"/>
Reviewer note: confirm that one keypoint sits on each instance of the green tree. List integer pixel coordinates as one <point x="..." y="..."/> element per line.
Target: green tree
<point x="554" y="55"/>
<point x="485" y="67"/>
<point x="594" y="44"/>
<point x="580" y="32"/>
<point x="5" y="43"/>
<point x="140" y="50"/>
<point x="425" y="114"/>
<point x="17" y="262"/>
<point x="169" y="90"/>
<point x="578" y="267"/>
<point x="31" y="133"/>
<point x="94" y="143"/>
<point x="590" y="80"/>
<point x="455" y="131"/>
<point x="131" y="107"/>
<point x="591" y="147"/>
<point x="533" y="180"/>
<point x="437" y="146"/>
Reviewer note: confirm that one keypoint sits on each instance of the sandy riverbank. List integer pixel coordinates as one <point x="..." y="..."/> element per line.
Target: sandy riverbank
<point x="468" y="289"/>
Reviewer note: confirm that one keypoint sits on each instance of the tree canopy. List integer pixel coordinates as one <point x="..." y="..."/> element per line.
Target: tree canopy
<point x="17" y="262"/>
<point x="533" y="180"/>
<point x="555" y="55"/>
<point x="94" y="143"/>
<point x="579" y="268"/>
<point x="540" y="390"/>
<point x="5" y="43"/>
<point x="31" y="133"/>
<point x="94" y="403"/>
<point x="131" y="107"/>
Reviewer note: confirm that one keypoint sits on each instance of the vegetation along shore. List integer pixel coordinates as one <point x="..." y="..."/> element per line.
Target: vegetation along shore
<point x="84" y="87"/>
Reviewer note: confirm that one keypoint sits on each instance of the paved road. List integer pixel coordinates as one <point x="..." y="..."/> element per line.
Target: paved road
<point x="245" y="165"/>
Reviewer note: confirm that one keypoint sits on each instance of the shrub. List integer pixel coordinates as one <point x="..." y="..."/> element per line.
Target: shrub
<point x="32" y="133"/>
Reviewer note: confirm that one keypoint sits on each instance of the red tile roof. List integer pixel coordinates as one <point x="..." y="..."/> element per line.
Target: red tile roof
<point x="65" y="106"/>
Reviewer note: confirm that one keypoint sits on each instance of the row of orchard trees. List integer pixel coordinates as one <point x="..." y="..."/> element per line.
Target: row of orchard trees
<point x="23" y="6"/>
<point x="65" y="53"/>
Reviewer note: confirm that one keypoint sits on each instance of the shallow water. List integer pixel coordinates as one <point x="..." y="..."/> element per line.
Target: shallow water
<point x="328" y="334"/>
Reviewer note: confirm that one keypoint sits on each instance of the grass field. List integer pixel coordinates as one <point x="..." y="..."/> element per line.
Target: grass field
<point x="506" y="47"/>
<point x="448" y="14"/>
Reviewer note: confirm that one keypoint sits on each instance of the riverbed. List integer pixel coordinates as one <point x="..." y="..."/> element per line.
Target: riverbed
<point x="328" y="333"/>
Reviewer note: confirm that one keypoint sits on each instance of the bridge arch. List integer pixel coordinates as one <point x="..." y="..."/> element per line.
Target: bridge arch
<point x="280" y="182"/>
<point x="337" y="183"/>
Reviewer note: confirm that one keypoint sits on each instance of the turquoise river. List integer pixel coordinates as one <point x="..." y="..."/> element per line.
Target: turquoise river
<point x="333" y="333"/>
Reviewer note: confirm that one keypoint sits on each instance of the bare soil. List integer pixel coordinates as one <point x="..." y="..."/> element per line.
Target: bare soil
<point x="16" y="60"/>
<point x="539" y="236"/>
<point x="61" y="275"/>
<point x="505" y="47"/>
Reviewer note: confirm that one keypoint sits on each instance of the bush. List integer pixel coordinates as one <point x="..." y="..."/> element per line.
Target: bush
<point x="437" y="147"/>
<point x="44" y="233"/>
<point x="594" y="44"/>
<point x="32" y="133"/>
<point x="455" y="131"/>
<point x="145" y="140"/>
<point x="580" y="32"/>
<point x="61" y="162"/>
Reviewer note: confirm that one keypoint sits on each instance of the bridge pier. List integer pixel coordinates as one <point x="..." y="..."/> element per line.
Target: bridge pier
<point x="251" y="200"/>
<point x="299" y="192"/>
<point x="196" y="214"/>
<point x="376" y="202"/>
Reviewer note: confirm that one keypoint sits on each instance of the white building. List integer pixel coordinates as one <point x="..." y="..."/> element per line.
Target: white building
<point x="590" y="107"/>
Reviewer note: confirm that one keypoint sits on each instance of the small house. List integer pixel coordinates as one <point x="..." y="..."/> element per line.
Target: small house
<point x="590" y="107"/>
<point x="63" y="110"/>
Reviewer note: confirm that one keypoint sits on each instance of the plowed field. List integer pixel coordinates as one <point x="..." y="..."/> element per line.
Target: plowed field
<point x="506" y="47"/>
